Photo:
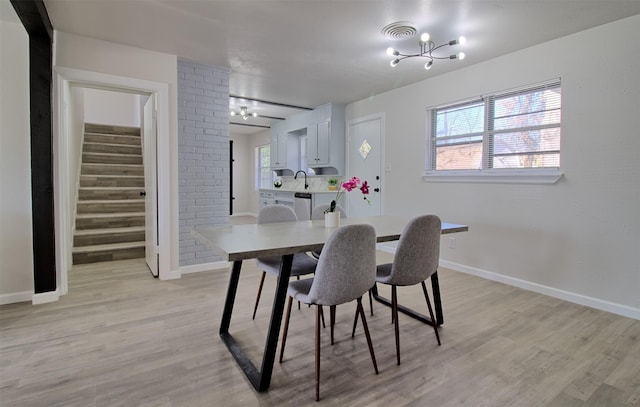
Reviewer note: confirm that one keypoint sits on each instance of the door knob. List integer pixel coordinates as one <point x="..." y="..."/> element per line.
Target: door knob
<point x="143" y="193"/>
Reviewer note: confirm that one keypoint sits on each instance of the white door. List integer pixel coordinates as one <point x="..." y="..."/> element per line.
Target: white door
<point x="366" y="144"/>
<point x="149" y="154"/>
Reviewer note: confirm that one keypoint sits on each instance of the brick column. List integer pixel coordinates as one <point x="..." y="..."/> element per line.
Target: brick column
<point x="203" y="155"/>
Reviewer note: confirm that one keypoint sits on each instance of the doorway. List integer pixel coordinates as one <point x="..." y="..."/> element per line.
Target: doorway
<point x="66" y="79"/>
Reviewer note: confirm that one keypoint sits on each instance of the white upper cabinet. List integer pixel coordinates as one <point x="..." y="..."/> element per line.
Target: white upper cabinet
<point x="323" y="130"/>
<point x="325" y="140"/>
<point x="319" y="144"/>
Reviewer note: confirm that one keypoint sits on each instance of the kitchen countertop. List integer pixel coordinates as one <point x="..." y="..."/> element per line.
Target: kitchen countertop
<point x="310" y="190"/>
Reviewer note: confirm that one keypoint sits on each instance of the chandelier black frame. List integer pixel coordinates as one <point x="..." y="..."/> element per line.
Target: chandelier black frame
<point x="427" y="48"/>
<point x="244" y="113"/>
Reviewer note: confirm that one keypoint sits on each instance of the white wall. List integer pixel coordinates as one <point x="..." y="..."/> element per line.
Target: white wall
<point x="578" y="239"/>
<point x="16" y="250"/>
<point x="87" y="54"/>
<point x="113" y="108"/>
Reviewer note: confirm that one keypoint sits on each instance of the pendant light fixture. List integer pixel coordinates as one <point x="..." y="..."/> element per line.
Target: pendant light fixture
<point x="428" y="48"/>
<point x="244" y="113"/>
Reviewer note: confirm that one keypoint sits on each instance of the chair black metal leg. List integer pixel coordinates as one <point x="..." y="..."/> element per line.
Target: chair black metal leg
<point x="318" y="311"/>
<point x="371" y="302"/>
<point x="285" y="330"/>
<point x="322" y="316"/>
<point x="298" y="278"/>
<point x="426" y="297"/>
<point x="332" y="319"/>
<point x="355" y="323"/>
<point x="360" y="309"/>
<point x="255" y="307"/>
<point x="394" y="312"/>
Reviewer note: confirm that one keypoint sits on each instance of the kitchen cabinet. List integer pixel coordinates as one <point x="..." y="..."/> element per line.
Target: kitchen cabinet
<point x="319" y="144"/>
<point x="326" y="140"/>
<point x="270" y="197"/>
<point x="323" y="133"/>
<point x="283" y="153"/>
<point x="265" y="198"/>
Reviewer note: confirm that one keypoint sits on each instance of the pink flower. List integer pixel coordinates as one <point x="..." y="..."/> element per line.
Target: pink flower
<point x="365" y="188"/>
<point x="349" y="186"/>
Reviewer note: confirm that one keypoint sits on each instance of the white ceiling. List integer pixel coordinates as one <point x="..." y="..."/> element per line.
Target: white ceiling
<point x="310" y="52"/>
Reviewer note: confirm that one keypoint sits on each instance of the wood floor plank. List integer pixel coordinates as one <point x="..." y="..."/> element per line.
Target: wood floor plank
<point x="122" y="338"/>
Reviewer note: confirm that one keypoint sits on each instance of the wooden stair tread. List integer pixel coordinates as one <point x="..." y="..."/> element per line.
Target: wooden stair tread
<point x="107" y="247"/>
<point x="109" y="201"/>
<point x="109" y="188"/>
<point x="108" y="215"/>
<point x="90" y="232"/>
<point x="98" y="133"/>
<point x="110" y="176"/>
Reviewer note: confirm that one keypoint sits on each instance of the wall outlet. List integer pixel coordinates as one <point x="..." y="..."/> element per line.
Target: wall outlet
<point x="452" y="243"/>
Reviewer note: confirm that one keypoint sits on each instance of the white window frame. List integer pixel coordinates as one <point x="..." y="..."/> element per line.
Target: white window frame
<point x="258" y="169"/>
<point x="487" y="175"/>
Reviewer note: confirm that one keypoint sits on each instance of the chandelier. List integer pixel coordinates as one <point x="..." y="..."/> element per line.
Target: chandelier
<point x="427" y="48"/>
<point x="244" y="113"/>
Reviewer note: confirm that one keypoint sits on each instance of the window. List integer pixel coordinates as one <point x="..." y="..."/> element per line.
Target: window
<point x="263" y="167"/>
<point x="510" y="131"/>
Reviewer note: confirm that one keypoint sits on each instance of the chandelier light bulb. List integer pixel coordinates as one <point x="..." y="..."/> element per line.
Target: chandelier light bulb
<point x="462" y="40"/>
<point x="395" y="62"/>
<point x="243" y="111"/>
<point x="424" y="37"/>
<point x="233" y="113"/>
<point x="427" y="66"/>
<point x="254" y="114"/>
<point x="461" y="55"/>
<point x="390" y="51"/>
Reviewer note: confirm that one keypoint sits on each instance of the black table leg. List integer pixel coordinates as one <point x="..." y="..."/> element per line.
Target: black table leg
<point x="413" y="314"/>
<point x="437" y="302"/>
<point x="260" y="379"/>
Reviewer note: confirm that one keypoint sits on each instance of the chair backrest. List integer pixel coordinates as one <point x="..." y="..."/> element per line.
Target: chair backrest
<point x="347" y="266"/>
<point x="318" y="211"/>
<point x="276" y="213"/>
<point x="418" y="251"/>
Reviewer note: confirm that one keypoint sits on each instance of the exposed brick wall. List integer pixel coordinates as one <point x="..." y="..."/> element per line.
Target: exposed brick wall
<point x="203" y="155"/>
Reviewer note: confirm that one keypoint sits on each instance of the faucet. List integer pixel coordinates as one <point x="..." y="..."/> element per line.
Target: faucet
<point x="305" y="178"/>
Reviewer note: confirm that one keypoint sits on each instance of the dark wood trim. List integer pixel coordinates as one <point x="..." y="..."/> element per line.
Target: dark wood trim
<point x="35" y="19"/>
<point x="267" y="102"/>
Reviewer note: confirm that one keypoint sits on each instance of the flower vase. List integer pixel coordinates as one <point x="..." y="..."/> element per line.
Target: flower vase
<point x="332" y="219"/>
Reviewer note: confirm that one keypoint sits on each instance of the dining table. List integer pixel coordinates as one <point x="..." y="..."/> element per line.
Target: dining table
<point x="236" y="243"/>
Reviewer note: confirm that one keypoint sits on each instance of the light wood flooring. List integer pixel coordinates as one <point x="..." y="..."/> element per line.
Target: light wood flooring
<point x="123" y="338"/>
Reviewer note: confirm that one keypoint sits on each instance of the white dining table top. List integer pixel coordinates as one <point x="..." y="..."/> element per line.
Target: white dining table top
<point x="241" y="242"/>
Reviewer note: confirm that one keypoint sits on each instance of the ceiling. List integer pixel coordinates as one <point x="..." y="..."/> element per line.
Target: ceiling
<point x="310" y="52"/>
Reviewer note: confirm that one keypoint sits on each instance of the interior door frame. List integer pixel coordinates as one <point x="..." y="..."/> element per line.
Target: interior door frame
<point x="64" y="238"/>
<point x="376" y="116"/>
<point x="149" y="143"/>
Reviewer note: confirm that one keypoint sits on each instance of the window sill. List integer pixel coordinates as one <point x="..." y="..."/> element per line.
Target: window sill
<point x="496" y="176"/>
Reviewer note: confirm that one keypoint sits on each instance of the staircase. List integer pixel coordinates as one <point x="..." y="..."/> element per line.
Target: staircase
<point x="110" y="209"/>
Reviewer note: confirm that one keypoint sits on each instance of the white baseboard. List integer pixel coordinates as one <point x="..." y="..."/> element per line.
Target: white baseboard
<point x="596" y="303"/>
<point x="43" y="298"/>
<point x="197" y="268"/>
<point x="245" y="214"/>
<point x="16" y="297"/>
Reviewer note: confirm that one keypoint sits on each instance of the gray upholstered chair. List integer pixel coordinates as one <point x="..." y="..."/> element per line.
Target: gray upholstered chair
<point x="345" y="271"/>
<point x="302" y="264"/>
<point x="415" y="260"/>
